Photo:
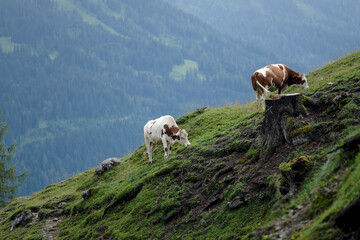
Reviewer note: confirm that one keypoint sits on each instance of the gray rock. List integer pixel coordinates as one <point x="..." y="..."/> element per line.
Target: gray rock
<point x="62" y="205"/>
<point x="107" y="165"/>
<point x="300" y="139"/>
<point x="294" y="173"/>
<point x="86" y="194"/>
<point x="235" y="203"/>
<point x="20" y="218"/>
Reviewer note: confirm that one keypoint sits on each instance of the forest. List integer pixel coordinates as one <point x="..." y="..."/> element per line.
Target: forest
<point x="304" y="33"/>
<point x="79" y="79"/>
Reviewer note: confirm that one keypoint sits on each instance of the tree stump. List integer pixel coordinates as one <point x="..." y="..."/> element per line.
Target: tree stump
<point x="278" y="108"/>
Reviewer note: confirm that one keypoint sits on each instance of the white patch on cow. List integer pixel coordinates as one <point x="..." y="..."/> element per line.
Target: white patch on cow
<point x="263" y="71"/>
<point x="306" y="85"/>
<point x="276" y="65"/>
<point x="283" y="69"/>
<point x="154" y="131"/>
<point x="283" y="80"/>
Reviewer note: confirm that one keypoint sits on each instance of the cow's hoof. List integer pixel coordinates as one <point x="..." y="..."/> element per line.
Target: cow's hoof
<point x="151" y="163"/>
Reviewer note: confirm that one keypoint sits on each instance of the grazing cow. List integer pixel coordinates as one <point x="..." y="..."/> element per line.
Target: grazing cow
<point x="275" y="76"/>
<point x="166" y="130"/>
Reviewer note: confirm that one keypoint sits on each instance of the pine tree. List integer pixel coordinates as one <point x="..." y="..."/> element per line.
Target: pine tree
<point x="9" y="179"/>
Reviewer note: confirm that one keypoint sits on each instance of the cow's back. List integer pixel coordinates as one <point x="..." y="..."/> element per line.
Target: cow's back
<point x="154" y="129"/>
<point x="270" y="76"/>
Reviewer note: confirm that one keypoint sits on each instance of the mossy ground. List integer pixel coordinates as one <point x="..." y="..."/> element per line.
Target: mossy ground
<point x="186" y="195"/>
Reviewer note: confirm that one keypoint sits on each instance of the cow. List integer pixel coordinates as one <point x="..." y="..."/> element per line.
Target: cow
<point x="166" y="130"/>
<point x="275" y="76"/>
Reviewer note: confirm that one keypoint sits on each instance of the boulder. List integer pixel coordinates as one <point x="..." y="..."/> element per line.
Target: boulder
<point x="348" y="218"/>
<point x="86" y="194"/>
<point x="236" y="203"/>
<point x="62" y="205"/>
<point x="294" y="173"/>
<point x="22" y="217"/>
<point x="107" y="165"/>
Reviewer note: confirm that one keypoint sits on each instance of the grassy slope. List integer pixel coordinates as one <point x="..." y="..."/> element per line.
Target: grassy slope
<point x="186" y="195"/>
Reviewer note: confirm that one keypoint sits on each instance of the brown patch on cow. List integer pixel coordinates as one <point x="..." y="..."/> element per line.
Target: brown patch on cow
<point x="162" y="132"/>
<point x="275" y="78"/>
<point x="174" y="129"/>
<point x="171" y="132"/>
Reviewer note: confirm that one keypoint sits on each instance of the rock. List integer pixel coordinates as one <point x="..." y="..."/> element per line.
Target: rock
<point x="86" y="194"/>
<point x="299" y="207"/>
<point x="294" y="173"/>
<point x="107" y="165"/>
<point x="236" y="203"/>
<point x="21" y="218"/>
<point x="300" y="135"/>
<point x="62" y="205"/>
<point x="324" y="191"/>
<point x="348" y="219"/>
<point x="351" y="143"/>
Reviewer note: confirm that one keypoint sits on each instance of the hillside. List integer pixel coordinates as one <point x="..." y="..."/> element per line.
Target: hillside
<point x="188" y="195"/>
<point x="79" y="78"/>
<point x="305" y="33"/>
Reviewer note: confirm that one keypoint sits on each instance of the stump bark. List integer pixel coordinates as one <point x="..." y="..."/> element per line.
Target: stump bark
<point x="278" y="108"/>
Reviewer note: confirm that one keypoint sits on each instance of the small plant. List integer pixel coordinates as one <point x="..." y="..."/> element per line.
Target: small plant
<point x="274" y="182"/>
<point x="251" y="152"/>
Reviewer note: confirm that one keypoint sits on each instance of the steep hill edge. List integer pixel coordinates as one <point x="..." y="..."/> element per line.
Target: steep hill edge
<point x="218" y="188"/>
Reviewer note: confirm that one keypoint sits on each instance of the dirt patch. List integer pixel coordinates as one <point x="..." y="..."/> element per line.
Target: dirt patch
<point x="51" y="228"/>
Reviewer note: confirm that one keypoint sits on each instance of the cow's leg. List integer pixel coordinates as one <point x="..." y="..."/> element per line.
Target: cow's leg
<point x="169" y="149"/>
<point x="149" y="149"/>
<point x="152" y="145"/>
<point x="257" y="98"/>
<point x="164" y="141"/>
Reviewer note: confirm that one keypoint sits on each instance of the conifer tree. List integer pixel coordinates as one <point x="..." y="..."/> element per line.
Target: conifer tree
<point x="9" y="179"/>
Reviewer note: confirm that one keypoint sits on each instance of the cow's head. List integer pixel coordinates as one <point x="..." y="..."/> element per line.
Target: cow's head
<point x="300" y="81"/>
<point x="182" y="137"/>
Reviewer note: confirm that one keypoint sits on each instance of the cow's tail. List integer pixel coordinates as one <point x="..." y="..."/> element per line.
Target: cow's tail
<point x="263" y="88"/>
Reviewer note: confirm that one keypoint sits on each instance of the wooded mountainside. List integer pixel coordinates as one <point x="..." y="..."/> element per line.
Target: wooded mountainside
<point x="304" y="33"/>
<point x="79" y="79"/>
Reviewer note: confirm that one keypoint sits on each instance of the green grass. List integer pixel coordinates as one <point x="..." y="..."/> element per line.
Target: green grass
<point x="138" y="201"/>
<point x="342" y="69"/>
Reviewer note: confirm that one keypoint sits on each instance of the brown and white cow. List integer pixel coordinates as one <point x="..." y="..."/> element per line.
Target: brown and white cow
<point x="275" y="76"/>
<point x="166" y="130"/>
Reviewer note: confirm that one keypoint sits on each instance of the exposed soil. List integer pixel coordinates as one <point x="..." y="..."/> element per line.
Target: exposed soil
<point x="51" y="227"/>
